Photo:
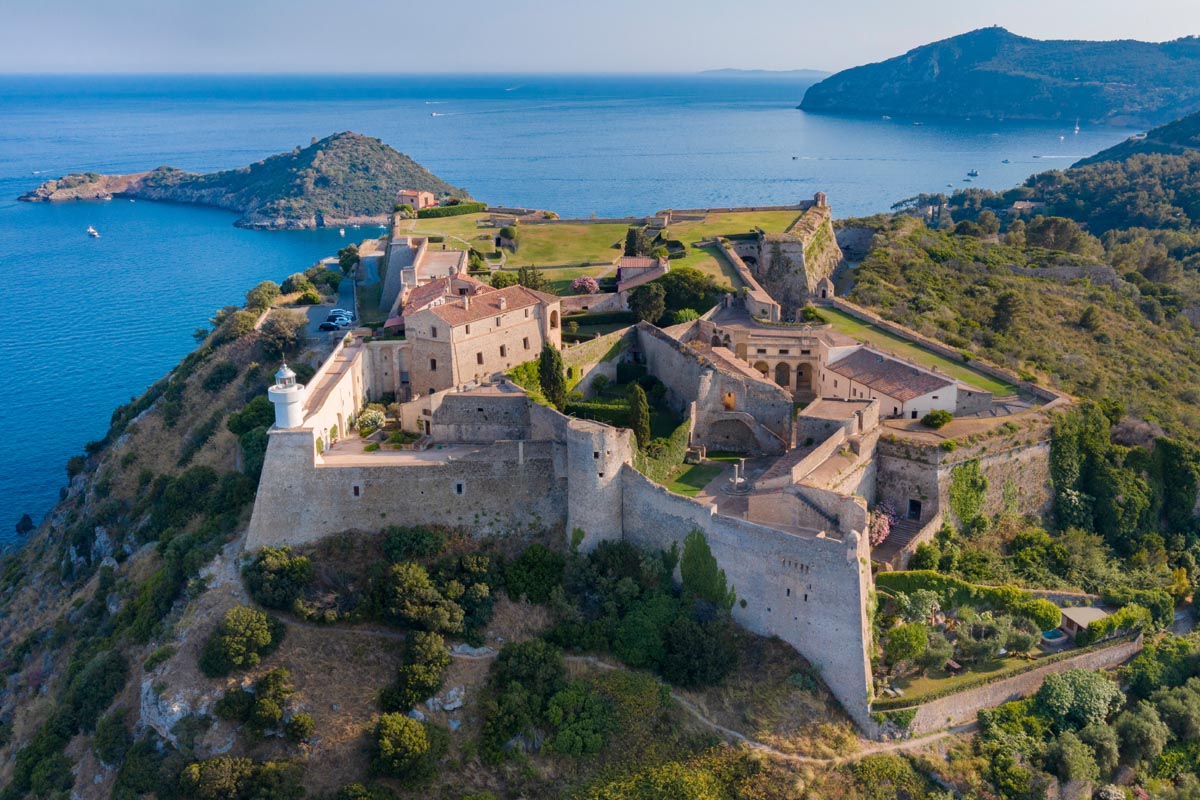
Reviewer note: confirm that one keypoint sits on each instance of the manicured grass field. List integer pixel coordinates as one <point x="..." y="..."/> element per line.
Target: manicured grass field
<point x="692" y="478"/>
<point x="916" y="687"/>
<point x="550" y="245"/>
<point x="872" y="334"/>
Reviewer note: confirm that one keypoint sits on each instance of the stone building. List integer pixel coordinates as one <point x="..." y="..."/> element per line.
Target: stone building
<point x="416" y="198"/>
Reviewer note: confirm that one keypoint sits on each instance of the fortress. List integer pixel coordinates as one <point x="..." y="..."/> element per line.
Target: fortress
<point x="790" y="525"/>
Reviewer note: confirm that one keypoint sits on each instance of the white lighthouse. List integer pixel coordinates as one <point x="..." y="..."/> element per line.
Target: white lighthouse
<point x="288" y="397"/>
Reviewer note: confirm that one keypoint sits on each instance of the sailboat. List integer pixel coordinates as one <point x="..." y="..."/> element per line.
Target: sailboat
<point x="1077" y="126"/>
<point x="92" y="232"/>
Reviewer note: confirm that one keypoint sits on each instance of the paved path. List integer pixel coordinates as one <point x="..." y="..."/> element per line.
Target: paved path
<point x="866" y="747"/>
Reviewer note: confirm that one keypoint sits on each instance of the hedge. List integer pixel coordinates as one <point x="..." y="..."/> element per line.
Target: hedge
<point x="1129" y="618"/>
<point x="451" y="211"/>
<point x="660" y="469"/>
<point x="615" y="413"/>
<point x="1158" y="602"/>
<point x="975" y="680"/>
<point x="953" y="591"/>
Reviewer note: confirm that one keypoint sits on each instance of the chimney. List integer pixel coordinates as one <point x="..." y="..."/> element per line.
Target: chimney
<point x="503" y="303"/>
<point x="466" y="301"/>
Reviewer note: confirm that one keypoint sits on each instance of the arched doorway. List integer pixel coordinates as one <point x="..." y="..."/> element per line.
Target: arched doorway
<point x="762" y="367"/>
<point x="783" y="375"/>
<point x="716" y="341"/>
<point x="726" y="340"/>
<point x="553" y="319"/>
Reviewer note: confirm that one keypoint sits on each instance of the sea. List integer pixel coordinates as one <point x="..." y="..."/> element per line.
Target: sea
<point x="89" y="323"/>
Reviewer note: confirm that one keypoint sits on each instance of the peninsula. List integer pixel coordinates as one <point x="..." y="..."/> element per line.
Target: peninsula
<point x="994" y="74"/>
<point x="343" y="179"/>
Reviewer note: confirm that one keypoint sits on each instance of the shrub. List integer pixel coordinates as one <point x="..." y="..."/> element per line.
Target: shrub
<point x="937" y="418"/>
<point x="1129" y="618"/>
<point x="535" y="574"/>
<point x="401" y="745"/>
<point x="425" y="662"/>
<point x="244" y="635"/>
<point x="585" y="284"/>
<point x="369" y="421"/>
<point x="296" y="282"/>
<point x="112" y="740"/>
<point x="283" y="332"/>
<point x="406" y="543"/>
<point x="262" y="296"/>
<point x="220" y="376"/>
<point x="258" y="413"/>
<point x="411" y="598"/>
<point x="300" y="728"/>
<point x="309" y="297"/>
<point x="94" y="687"/>
<point x="225" y="777"/>
<point x="159" y="656"/>
<point x="276" y="577"/>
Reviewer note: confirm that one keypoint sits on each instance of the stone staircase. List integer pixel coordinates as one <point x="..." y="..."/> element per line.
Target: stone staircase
<point x="902" y="535"/>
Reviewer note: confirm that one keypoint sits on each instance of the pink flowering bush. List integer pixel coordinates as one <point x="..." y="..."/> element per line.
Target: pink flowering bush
<point x="882" y="522"/>
<point x="585" y="284"/>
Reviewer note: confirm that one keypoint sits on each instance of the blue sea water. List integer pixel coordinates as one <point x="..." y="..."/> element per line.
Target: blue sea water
<point x="89" y="323"/>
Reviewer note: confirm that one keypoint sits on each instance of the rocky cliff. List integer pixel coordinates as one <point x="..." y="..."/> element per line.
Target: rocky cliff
<point x="342" y="179"/>
<point x="994" y="74"/>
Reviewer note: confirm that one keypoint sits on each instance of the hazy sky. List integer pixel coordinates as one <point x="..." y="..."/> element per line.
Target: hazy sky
<point x="531" y="35"/>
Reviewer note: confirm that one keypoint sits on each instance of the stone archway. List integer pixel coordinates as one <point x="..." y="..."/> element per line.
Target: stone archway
<point x="725" y="341"/>
<point x="716" y="341"/>
<point x="553" y="319"/>
<point x="762" y="367"/>
<point x="783" y="374"/>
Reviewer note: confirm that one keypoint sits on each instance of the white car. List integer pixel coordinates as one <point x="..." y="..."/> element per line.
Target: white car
<point x="343" y="312"/>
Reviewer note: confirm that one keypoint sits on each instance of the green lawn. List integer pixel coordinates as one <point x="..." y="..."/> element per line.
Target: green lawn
<point x="692" y="478"/>
<point x="916" y="687"/>
<point x="560" y="277"/>
<point x="873" y="334"/>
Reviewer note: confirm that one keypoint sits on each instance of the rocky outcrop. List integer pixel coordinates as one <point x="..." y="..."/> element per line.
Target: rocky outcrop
<point x="344" y="179"/>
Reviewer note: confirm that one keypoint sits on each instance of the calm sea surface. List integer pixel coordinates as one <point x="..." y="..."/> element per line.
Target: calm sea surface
<point x="89" y="323"/>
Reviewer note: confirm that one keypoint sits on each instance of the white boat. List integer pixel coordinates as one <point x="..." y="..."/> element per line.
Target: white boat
<point x="1077" y="126"/>
<point x="885" y="116"/>
<point x="341" y="231"/>
<point x="92" y="232"/>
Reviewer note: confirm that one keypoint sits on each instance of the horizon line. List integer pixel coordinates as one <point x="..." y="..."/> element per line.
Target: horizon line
<point x="374" y="74"/>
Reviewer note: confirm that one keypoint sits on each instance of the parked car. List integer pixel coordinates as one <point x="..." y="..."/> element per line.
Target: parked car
<point x="349" y="314"/>
<point x="337" y="318"/>
<point x="330" y="326"/>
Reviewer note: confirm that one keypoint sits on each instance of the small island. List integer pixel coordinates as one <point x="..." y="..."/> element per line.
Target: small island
<point x="343" y="179"/>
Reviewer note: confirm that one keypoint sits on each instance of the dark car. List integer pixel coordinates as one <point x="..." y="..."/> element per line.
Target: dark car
<point x="330" y="326"/>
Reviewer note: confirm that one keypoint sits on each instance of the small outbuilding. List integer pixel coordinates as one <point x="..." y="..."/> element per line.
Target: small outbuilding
<point x="1077" y="618"/>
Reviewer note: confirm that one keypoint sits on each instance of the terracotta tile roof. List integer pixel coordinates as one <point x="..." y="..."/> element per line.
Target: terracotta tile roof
<point x="637" y="262"/>
<point x="426" y="293"/>
<point x="486" y="305"/>
<point x="888" y="376"/>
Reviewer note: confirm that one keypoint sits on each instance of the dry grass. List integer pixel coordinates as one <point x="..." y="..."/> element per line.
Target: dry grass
<point x="767" y="703"/>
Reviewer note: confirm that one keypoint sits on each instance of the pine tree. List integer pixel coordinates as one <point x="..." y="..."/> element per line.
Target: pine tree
<point x="639" y="415"/>
<point x="551" y="377"/>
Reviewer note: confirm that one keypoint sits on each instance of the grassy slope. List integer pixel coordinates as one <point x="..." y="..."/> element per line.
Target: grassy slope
<point x="873" y="334"/>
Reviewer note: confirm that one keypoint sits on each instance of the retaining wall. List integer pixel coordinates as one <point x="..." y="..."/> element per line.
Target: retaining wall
<point x="962" y="707"/>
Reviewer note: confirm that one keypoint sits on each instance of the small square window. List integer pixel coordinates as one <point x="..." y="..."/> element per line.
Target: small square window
<point x="806" y="352"/>
<point x="357" y="493"/>
<point x="595" y="454"/>
<point x="783" y="352"/>
<point x="459" y="488"/>
<point x="762" y="351"/>
<point x="601" y="474"/>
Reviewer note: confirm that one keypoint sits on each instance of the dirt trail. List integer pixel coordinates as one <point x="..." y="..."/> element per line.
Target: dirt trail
<point x="866" y="747"/>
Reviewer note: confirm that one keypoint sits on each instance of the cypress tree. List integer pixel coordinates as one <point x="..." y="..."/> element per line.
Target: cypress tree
<point x="551" y="377"/>
<point x="631" y="242"/>
<point x="639" y="415"/>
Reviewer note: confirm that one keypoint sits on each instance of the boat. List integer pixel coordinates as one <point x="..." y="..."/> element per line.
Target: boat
<point x="973" y="173"/>
<point x="967" y="180"/>
<point x="435" y="114"/>
<point x="1077" y="126"/>
<point x="1062" y="138"/>
<point x="1006" y="161"/>
<point x="341" y="231"/>
<point x="92" y="232"/>
<point x="885" y="116"/>
<point x="917" y="123"/>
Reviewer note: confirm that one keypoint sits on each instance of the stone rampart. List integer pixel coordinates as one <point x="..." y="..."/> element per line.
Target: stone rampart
<point x="810" y="590"/>
<point x="1099" y="274"/>
<point x="472" y="417"/>
<point x="498" y="489"/>
<point x="962" y="707"/>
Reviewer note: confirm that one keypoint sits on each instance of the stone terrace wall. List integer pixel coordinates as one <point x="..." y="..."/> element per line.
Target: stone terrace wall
<point x="811" y="591"/>
<point x="962" y="707"/>
<point x="508" y="487"/>
<point x="481" y="418"/>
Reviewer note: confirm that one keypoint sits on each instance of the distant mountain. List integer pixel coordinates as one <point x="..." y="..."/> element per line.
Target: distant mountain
<point x="781" y="74"/>
<point x="342" y="179"/>
<point x="991" y="73"/>
<point x="1174" y="138"/>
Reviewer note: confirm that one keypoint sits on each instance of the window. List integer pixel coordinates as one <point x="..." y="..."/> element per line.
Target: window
<point x="498" y="319"/>
<point x="835" y="384"/>
<point x="503" y="351"/>
<point x="468" y="329"/>
<point x="525" y="342"/>
<point x="595" y="454"/>
<point x="459" y="488"/>
<point x="783" y="352"/>
<point x="527" y="312"/>
<point x="762" y="351"/>
<point x="433" y="332"/>
<point x="356" y="491"/>
<point x="479" y="358"/>
<point x="601" y="474"/>
<point x="935" y="397"/>
<point x="806" y="352"/>
<point x="433" y="365"/>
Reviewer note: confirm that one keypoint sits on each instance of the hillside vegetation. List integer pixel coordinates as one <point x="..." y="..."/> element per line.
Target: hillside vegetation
<point x="341" y="179"/>
<point x="1174" y="138"/>
<point x="992" y="73"/>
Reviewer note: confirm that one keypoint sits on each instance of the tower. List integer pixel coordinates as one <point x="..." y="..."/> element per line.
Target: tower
<point x="288" y="397"/>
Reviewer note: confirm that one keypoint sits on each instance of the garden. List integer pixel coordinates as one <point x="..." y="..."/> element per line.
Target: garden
<point x="938" y="634"/>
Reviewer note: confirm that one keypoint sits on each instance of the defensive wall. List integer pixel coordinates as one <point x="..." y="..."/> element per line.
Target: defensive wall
<point x="962" y="707"/>
<point x="806" y="587"/>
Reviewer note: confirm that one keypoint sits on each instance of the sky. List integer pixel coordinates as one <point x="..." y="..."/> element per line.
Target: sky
<point x="553" y="36"/>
